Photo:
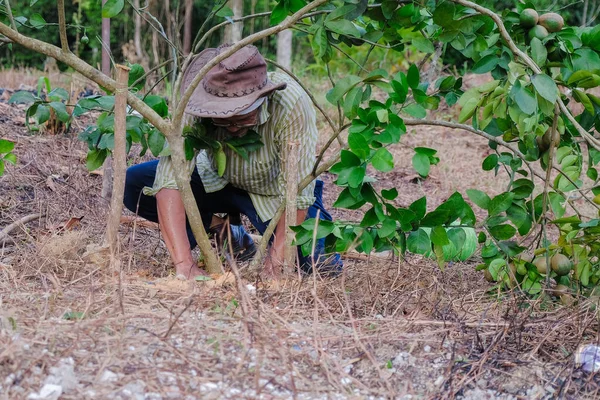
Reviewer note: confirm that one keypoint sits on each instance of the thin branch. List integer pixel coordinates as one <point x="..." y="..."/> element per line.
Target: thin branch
<point x="62" y="25"/>
<point x="8" y="229"/>
<point x="316" y="104"/>
<point x="10" y="15"/>
<point x="554" y="142"/>
<point x="86" y="70"/>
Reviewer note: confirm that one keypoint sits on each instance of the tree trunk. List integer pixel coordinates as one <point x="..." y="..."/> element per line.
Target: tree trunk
<point x="137" y="32"/>
<point x="107" y="177"/>
<point x="233" y="32"/>
<point x="284" y="49"/>
<point x="187" y="27"/>
<point x="119" y="160"/>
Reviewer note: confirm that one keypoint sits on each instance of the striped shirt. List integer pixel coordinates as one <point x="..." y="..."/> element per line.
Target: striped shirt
<point x="287" y="115"/>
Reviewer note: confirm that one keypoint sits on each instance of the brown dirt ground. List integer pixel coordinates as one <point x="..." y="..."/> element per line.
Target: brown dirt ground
<point x="386" y="328"/>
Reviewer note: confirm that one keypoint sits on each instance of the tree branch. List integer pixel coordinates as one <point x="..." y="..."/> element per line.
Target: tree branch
<point x="595" y="143"/>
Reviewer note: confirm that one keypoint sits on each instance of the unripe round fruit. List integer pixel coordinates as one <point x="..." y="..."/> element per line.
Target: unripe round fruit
<point x="560" y="290"/>
<point x="561" y="264"/>
<point x="528" y="18"/>
<point x="540" y="264"/>
<point x="553" y="22"/>
<point x="84" y="40"/>
<point x="539" y="32"/>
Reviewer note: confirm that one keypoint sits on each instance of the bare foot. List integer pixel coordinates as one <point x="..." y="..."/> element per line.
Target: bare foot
<point x="189" y="272"/>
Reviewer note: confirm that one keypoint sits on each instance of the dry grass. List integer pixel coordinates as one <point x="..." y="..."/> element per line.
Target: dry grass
<point x="386" y="328"/>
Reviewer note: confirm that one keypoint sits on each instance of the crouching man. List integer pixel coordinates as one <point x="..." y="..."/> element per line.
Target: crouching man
<point x="235" y="98"/>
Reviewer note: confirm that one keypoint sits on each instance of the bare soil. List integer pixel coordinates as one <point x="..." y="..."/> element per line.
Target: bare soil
<point x="386" y="328"/>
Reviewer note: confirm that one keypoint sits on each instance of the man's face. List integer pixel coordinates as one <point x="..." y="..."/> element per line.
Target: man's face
<point x="238" y="125"/>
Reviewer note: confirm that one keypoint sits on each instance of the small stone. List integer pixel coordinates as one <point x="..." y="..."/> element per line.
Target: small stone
<point x="108" y="376"/>
<point x="439" y="380"/>
<point x="48" y="392"/>
<point x="427" y="348"/>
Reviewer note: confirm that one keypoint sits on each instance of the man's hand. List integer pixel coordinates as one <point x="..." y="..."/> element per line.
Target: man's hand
<point x="276" y="257"/>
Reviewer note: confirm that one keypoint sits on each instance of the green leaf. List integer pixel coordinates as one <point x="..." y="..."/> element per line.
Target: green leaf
<point x="423" y="44"/>
<point x="503" y="232"/>
<point x="538" y="52"/>
<point x="525" y="99"/>
<point x="415" y="110"/>
<point x="342" y="27"/>
<point x="419" y="207"/>
<point x="421" y="164"/>
<point x="42" y="114"/>
<point x="61" y="111"/>
<point x="387" y="228"/>
<point x="383" y="160"/>
<point x="136" y="73"/>
<point x="468" y="110"/>
<point x="6" y="146"/>
<point x="413" y="77"/>
<point x="23" y="97"/>
<point x="545" y="86"/>
<point x="58" y="94"/>
<point x="156" y="141"/>
<point x="486" y="64"/>
<point x="37" y="21"/>
<point x="390" y="194"/>
<point x="418" y="242"/>
<point x="203" y="278"/>
<point x="358" y="144"/>
<point x="439" y="236"/>
<point x="11" y="158"/>
<point x="158" y="104"/>
<point x="341" y="88"/>
<point x="225" y="12"/>
<point x="356" y="177"/>
<point x="500" y="203"/>
<point x="95" y="159"/>
<point x="481" y="199"/>
<point x="490" y="162"/>
<point x="112" y="7"/>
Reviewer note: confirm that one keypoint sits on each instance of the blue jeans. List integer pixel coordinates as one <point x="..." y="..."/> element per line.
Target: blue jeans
<point x="230" y="200"/>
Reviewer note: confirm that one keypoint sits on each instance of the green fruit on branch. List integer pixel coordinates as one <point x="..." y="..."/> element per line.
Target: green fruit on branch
<point x="561" y="264"/>
<point x="528" y="18"/>
<point x="539" y="32"/>
<point x="84" y="39"/>
<point x="560" y="290"/>
<point x="552" y="22"/>
<point x="541" y="265"/>
<point x="544" y="141"/>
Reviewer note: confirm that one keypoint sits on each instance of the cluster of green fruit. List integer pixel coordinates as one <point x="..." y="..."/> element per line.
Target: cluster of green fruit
<point x="540" y="26"/>
<point x="516" y="274"/>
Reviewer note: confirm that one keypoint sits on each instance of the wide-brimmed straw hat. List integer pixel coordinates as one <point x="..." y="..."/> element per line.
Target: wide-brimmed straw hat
<point x="231" y="86"/>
